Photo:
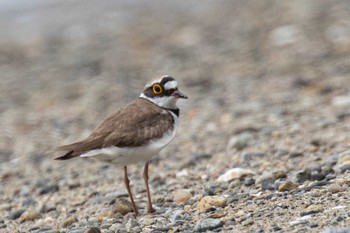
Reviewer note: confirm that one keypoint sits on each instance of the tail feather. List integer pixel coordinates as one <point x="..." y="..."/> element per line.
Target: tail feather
<point x="68" y="155"/>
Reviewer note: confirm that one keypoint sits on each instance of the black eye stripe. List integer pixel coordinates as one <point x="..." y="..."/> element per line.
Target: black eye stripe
<point x="170" y="91"/>
<point x="167" y="79"/>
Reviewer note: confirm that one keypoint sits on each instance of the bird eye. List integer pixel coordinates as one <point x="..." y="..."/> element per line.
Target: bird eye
<point x="157" y="89"/>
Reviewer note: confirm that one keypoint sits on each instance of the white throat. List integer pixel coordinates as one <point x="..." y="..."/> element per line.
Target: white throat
<point x="164" y="101"/>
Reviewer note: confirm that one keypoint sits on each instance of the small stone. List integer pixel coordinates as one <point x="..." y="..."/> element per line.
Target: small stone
<point x="28" y="202"/>
<point x="312" y="209"/>
<point x="29" y="215"/>
<point x="121" y="206"/>
<point x="144" y="221"/>
<point x="16" y="214"/>
<point x="93" y="230"/>
<point x="44" y="230"/>
<point x="337" y="230"/>
<point x="235" y="173"/>
<point x="285" y="35"/>
<point x="314" y="184"/>
<point x="341" y="100"/>
<point x="248" y="181"/>
<point x="176" y="216"/>
<point x="344" y="157"/>
<point x="218" y="214"/>
<point x="268" y="183"/>
<point x="77" y="230"/>
<point x="69" y="221"/>
<point x="5" y="206"/>
<point x="302" y="176"/>
<point x="182" y="196"/>
<point x="330" y="176"/>
<point x="279" y="174"/>
<point x="132" y="223"/>
<point x="49" y="189"/>
<point x="116" y="227"/>
<point x="245" y="156"/>
<point x="317" y="176"/>
<point x="208" y="224"/>
<point x="335" y="188"/>
<point x="295" y="154"/>
<point x="187" y="208"/>
<point x="287" y="186"/>
<point x="247" y="222"/>
<point x="342" y="168"/>
<point x="210" y="202"/>
<point x="239" y="142"/>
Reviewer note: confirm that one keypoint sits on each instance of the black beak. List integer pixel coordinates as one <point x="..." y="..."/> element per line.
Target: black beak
<point x="178" y="94"/>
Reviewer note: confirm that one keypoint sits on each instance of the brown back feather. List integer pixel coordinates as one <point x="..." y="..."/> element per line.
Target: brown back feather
<point x="132" y="126"/>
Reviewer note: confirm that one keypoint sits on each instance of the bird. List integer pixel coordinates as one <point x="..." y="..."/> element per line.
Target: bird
<point x="135" y="133"/>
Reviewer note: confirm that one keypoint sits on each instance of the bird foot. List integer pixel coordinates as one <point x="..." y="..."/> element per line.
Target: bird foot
<point x="151" y="210"/>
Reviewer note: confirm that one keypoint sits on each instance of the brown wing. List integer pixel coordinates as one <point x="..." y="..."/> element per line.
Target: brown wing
<point x="132" y="126"/>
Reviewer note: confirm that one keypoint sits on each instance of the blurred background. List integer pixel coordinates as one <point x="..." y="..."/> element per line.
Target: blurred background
<point x="276" y="70"/>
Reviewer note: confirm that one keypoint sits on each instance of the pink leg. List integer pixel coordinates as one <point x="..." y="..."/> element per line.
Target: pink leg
<point x="127" y="184"/>
<point x="145" y="177"/>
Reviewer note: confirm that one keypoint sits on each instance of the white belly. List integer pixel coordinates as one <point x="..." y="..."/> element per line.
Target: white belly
<point x="130" y="155"/>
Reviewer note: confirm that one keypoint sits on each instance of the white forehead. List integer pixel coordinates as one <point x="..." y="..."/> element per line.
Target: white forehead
<point x="170" y="85"/>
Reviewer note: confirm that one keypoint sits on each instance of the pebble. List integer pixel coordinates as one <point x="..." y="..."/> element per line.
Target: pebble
<point x="344" y="157"/>
<point x="210" y="202"/>
<point x="279" y="174"/>
<point x="93" y="230"/>
<point x="121" y="206"/>
<point x="69" y="221"/>
<point x="177" y="215"/>
<point x="246" y="156"/>
<point x="337" y="230"/>
<point x="49" y="189"/>
<point x="317" y="176"/>
<point x="116" y="227"/>
<point x="44" y="230"/>
<point x="287" y="186"/>
<point x="182" y="196"/>
<point x="334" y="188"/>
<point x="5" y="206"/>
<point x="268" y="183"/>
<point x="77" y="230"/>
<point x="16" y="214"/>
<point x="208" y="224"/>
<point x="239" y="142"/>
<point x="302" y="176"/>
<point x="218" y="214"/>
<point x="28" y="202"/>
<point x="248" y="181"/>
<point x="285" y="35"/>
<point x="314" y="184"/>
<point x="312" y="209"/>
<point x="132" y="223"/>
<point x="29" y="215"/>
<point x="235" y="173"/>
<point x="342" y="168"/>
<point x="341" y="100"/>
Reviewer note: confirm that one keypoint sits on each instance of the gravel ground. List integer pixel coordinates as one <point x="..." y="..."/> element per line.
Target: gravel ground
<point x="264" y="139"/>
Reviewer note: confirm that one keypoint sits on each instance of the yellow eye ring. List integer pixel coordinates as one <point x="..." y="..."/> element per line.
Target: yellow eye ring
<point x="157" y="89"/>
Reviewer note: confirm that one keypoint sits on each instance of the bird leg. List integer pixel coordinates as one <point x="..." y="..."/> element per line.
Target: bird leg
<point x="127" y="184"/>
<point x="145" y="177"/>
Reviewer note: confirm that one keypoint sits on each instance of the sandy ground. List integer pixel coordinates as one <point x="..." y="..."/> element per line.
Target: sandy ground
<point x="269" y="95"/>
